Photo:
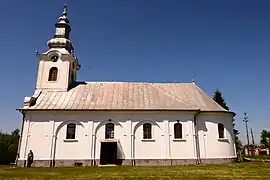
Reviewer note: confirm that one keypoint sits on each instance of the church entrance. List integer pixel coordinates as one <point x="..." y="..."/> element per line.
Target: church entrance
<point x="108" y="154"/>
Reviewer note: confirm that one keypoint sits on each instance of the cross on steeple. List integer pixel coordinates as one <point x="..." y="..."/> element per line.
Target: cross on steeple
<point x="193" y="77"/>
<point x="65" y="10"/>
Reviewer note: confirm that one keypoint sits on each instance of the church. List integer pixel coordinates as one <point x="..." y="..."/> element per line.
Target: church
<point x="71" y="123"/>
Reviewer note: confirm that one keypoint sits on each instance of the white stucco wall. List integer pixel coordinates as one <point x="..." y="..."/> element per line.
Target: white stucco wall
<point x="184" y="148"/>
<point x="64" y="148"/>
<point x="210" y="144"/>
<point x="41" y="128"/>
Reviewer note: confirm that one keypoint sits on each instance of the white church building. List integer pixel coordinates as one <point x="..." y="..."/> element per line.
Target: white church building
<point x="70" y="123"/>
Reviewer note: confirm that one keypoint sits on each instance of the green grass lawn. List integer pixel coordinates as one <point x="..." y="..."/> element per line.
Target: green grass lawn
<point x="258" y="156"/>
<point x="225" y="171"/>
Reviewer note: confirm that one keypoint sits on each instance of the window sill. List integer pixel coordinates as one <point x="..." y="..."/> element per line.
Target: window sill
<point x="148" y="140"/>
<point x="179" y="140"/>
<point x="52" y="81"/>
<point x="223" y="139"/>
<point x="70" y="140"/>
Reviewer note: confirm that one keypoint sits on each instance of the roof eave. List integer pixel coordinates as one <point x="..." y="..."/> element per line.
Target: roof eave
<point x="191" y="110"/>
<point x="229" y="112"/>
<point x="24" y="109"/>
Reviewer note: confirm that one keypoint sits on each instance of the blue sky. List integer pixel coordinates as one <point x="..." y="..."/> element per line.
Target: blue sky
<point x="226" y="43"/>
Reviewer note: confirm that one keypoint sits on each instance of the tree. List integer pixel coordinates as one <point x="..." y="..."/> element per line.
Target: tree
<point x="220" y="100"/>
<point x="8" y="146"/>
<point x="16" y="132"/>
<point x="265" y="138"/>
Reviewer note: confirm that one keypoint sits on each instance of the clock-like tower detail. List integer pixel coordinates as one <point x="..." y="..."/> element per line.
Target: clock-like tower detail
<point x="58" y="66"/>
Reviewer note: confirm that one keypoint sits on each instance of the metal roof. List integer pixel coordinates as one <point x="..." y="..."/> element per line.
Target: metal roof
<point x="126" y="96"/>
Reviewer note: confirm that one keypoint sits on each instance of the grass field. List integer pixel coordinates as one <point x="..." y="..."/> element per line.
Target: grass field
<point x="259" y="156"/>
<point x="225" y="171"/>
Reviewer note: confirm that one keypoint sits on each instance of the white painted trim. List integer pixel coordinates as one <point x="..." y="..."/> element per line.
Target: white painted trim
<point x="220" y="157"/>
<point x="223" y="139"/>
<point x="109" y="140"/>
<point x="70" y="140"/>
<point x="179" y="140"/>
<point x="148" y="140"/>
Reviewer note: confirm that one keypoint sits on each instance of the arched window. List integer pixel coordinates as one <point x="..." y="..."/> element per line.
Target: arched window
<point x="147" y="131"/>
<point x="53" y="74"/>
<point x="220" y="130"/>
<point x="109" y="132"/>
<point x="178" y="132"/>
<point x="71" y="128"/>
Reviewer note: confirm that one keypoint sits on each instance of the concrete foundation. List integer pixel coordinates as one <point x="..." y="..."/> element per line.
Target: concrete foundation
<point x="127" y="162"/>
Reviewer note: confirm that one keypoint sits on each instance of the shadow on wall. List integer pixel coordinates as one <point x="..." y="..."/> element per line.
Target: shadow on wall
<point x="120" y="157"/>
<point x="120" y="151"/>
<point x="201" y="125"/>
<point x="230" y="131"/>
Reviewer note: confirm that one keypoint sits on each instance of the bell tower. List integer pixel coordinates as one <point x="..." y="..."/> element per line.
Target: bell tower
<point x="58" y="66"/>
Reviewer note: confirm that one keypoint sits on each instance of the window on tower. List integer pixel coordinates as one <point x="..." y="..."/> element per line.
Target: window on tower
<point x="53" y="74"/>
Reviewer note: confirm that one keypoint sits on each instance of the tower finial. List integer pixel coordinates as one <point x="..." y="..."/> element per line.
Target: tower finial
<point x="193" y="77"/>
<point x="62" y="32"/>
<point x="65" y="10"/>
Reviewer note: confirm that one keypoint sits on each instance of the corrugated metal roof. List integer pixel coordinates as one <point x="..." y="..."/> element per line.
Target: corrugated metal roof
<point x="127" y="96"/>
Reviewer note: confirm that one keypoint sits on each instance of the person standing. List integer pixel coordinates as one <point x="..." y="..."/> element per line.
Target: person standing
<point x="30" y="158"/>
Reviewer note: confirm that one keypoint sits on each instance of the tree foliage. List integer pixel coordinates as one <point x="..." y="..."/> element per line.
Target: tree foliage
<point x="265" y="138"/>
<point x="8" y="146"/>
<point x="220" y="100"/>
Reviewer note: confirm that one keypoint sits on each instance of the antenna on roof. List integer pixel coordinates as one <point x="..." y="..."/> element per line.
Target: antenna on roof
<point x="193" y="77"/>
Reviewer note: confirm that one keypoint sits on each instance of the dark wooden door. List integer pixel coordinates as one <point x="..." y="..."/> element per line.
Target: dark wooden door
<point x="108" y="153"/>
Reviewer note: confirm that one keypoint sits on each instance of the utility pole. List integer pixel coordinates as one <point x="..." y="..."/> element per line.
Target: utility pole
<point x="252" y="136"/>
<point x="246" y="121"/>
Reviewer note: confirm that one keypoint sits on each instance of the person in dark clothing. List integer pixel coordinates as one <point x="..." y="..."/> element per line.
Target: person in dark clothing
<point x="30" y="158"/>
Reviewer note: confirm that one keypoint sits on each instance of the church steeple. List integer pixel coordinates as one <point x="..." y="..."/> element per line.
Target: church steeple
<point x="58" y="66"/>
<point x="62" y="31"/>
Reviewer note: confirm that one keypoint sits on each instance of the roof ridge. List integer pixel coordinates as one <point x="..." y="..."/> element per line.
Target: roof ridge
<point x="142" y="82"/>
<point x="208" y="97"/>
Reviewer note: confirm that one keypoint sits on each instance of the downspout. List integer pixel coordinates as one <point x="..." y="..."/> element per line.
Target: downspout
<point x="94" y="158"/>
<point x="197" y="142"/>
<point x="52" y="146"/>
<point x="54" y="149"/>
<point x="133" y="149"/>
<point x="20" y="139"/>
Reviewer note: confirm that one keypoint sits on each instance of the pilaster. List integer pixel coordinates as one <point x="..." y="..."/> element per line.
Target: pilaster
<point x="90" y="138"/>
<point x="166" y="139"/>
<point x="128" y="139"/>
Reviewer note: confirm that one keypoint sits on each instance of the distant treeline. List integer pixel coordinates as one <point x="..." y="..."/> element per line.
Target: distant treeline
<point x="8" y="146"/>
